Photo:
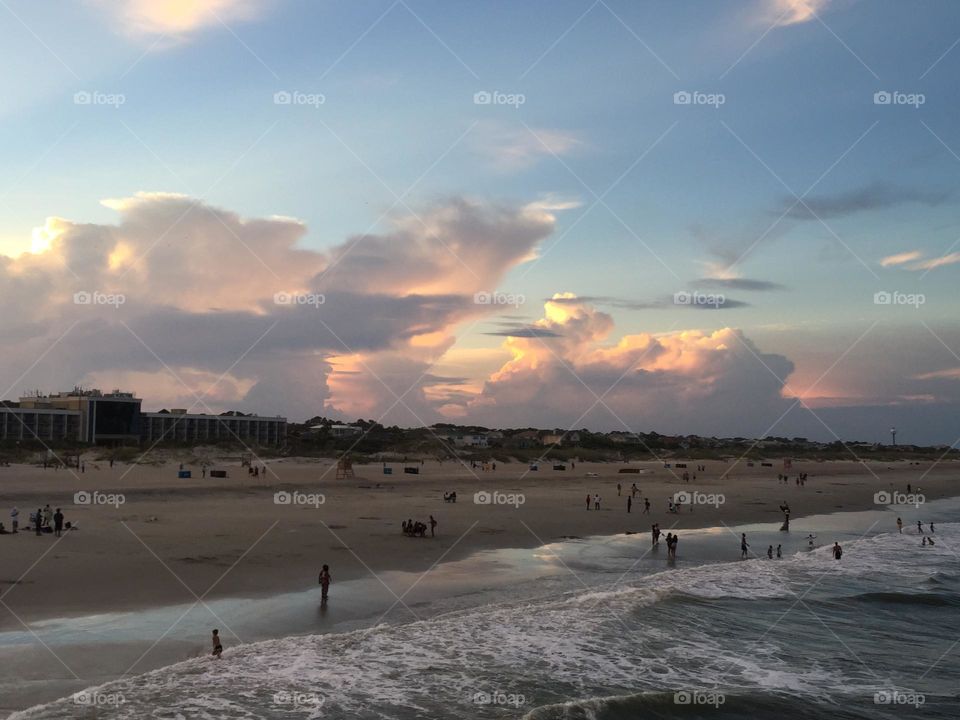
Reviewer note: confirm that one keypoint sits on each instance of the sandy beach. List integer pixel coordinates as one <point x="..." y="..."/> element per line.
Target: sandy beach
<point x="172" y="540"/>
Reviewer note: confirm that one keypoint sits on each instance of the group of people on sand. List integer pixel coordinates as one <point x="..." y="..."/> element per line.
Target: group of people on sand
<point x="44" y="521"/>
<point x="419" y="529"/>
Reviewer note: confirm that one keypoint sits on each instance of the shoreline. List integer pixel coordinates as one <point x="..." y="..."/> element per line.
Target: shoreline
<point x="467" y="584"/>
<point x="175" y="540"/>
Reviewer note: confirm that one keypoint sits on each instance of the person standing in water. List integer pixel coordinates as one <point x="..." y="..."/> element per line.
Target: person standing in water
<point x="743" y="546"/>
<point x="770" y="553"/>
<point x="837" y="551"/>
<point x="919" y="527"/>
<point x="217" y="647"/>
<point x="779" y="551"/>
<point x="900" y="525"/>
<point x="324" y="582"/>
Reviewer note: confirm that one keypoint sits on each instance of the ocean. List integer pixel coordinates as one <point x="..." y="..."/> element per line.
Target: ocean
<point x="605" y="629"/>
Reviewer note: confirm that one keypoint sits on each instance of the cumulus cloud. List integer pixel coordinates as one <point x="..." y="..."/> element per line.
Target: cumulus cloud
<point x="179" y="297"/>
<point x="686" y="381"/>
<point x="177" y="18"/>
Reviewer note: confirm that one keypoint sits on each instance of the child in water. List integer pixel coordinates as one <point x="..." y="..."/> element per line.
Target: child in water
<point x="217" y="647"/>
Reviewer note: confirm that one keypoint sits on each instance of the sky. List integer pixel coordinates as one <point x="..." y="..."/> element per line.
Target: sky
<point x="723" y="218"/>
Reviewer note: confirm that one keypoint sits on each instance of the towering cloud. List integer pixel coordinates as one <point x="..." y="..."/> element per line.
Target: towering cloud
<point x="181" y="298"/>
<point x="690" y="381"/>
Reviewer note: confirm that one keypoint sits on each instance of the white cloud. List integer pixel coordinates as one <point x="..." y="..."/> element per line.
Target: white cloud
<point x="511" y="149"/>
<point x="793" y="12"/>
<point x="912" y="260"/>
<point x="900" y="258"/>
<point x="177" y="18"/>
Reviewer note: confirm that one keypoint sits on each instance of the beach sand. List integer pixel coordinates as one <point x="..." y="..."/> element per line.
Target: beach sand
<point x="173" y="540"/>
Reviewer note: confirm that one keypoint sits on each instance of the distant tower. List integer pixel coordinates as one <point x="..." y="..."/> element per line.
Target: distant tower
<point x="893" y="435"/>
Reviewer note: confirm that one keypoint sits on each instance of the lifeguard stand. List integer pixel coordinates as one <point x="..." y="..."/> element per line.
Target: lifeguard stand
<point x="344" y="468"/>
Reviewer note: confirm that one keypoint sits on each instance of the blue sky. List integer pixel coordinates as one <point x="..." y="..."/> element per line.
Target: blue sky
<point x="688" y="191"/>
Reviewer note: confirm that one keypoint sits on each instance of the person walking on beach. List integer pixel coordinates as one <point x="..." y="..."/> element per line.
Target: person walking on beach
<point x="629" y="504"/>
<point x="217" y="647"/>
<point x="837" y="551"/>
<point x="58" y="523"/>
<point x="633" y="490"/>
<point x="618" y="489"/>
<point x="38" y="520"/>
<point x="15" y="518"/>
<point x="433" y="527"/>
<point x="325" y="580"/>
<point x="919" y="527"/>
<point x="743" y="546"/>
<point x="646" y="506"/>
<point x="596" y="502"/>
<point x="932" y="530"/>
<point x="588" y="502"/>
<point x="900" y="525"/>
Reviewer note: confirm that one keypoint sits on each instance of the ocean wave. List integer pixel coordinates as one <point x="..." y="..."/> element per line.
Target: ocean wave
<point x="660" y="633"/>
